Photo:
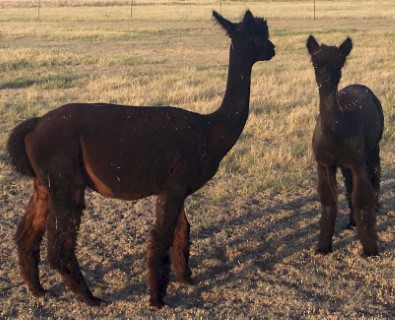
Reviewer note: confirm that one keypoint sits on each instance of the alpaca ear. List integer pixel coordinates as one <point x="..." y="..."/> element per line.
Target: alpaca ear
<point x="248" y="21"/>
<point x="312" y="45"/>
<point x="345" y="47"/>
<point x="226" y="24"/>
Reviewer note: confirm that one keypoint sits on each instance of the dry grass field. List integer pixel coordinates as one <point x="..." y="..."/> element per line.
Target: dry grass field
<point x="254" y="226"/>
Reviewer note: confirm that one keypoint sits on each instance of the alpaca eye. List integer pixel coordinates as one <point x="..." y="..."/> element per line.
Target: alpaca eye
<point x="315" y="66"/>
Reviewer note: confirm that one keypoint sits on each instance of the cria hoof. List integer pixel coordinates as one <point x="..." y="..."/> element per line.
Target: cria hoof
<point x="373" y="254"/>
<point x="351" y="226"/>
<point x="323" y="252"/>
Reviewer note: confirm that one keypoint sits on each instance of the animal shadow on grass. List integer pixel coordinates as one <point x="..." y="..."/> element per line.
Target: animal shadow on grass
<point x="386" y="214"/>
<point x="294" y="232"/>
<point x="267" y="253"/>
<point x="59" y="81"/>
<point x="122" y="249"/>
<point x="269" y="250"/>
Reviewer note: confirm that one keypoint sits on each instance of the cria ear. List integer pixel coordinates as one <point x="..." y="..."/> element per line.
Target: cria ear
<point x="226" y="24"/>
<point x="312" y="45"/>
<point x="345" y="47"/>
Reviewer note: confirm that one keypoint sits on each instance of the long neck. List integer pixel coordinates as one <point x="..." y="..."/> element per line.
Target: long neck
<point x="229" y="120"/>
<point x="329" y="110"/>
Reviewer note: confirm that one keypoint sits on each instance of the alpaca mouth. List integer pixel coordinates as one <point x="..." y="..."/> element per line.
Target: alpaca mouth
<point x="271" y="55"/>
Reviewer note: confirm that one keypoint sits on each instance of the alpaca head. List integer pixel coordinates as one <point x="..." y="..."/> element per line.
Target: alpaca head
<point x="250" y="35"/>
<point x="328" y="61"/>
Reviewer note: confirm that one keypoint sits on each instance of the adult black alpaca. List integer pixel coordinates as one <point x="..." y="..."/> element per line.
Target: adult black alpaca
<point x="347" y="135"/>
<point x="129" y="153"/>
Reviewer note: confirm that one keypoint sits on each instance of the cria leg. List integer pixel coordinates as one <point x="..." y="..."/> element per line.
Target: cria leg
<point x="348" y="182"/>
<point x="374" y="171"/>
<point x="364" y="202"/>
<point x="327" y="190"/>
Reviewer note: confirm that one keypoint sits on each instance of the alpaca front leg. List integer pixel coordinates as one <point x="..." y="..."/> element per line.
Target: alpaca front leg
<point x="62" y="229"/>
<point x="179" y="251"/>
<point x="327" y="191"/>
<point x="168" y="209"/>
<point x="28" y="237"/>
<point x="365" y="212"/>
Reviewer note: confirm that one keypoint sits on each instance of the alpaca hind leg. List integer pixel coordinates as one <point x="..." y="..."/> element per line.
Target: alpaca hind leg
<point x="348" y="182"/>
<point x="168" y="209"/>
<point x="63" y="225"/>
<point x="327" y="191"/>
<point x="179" y="251"/>
<point x="28" y="237"/>
<point x="374" y="170"/>
<point x="363" y="197"/>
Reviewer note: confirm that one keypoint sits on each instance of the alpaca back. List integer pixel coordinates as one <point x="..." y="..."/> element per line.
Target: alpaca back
<point x="365" y="108"/>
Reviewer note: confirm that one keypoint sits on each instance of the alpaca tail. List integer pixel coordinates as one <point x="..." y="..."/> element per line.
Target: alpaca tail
<point x="16" y="147"/>
<point x="381" y="113"/>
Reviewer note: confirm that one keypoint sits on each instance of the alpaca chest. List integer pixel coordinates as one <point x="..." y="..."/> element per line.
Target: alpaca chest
<point x="336" y="152"/>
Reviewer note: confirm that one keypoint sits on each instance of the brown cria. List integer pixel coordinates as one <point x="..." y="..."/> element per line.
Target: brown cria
<point x="346" y="136"/>
<point x="129" y="152"/>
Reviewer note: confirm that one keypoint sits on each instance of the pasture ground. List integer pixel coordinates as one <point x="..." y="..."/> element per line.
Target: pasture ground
<point x="254" y="226"/>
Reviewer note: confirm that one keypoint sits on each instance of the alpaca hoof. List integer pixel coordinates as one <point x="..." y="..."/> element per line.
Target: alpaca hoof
<point x="38" y="292"/>
<point x="156" y="304"/>
<point x="188" y="280"/>
<point x="93" y="301"/>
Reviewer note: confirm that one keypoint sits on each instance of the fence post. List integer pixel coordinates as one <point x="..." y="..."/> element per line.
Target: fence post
<point x="314" y="9"/>
<point x="38" y="10"/>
